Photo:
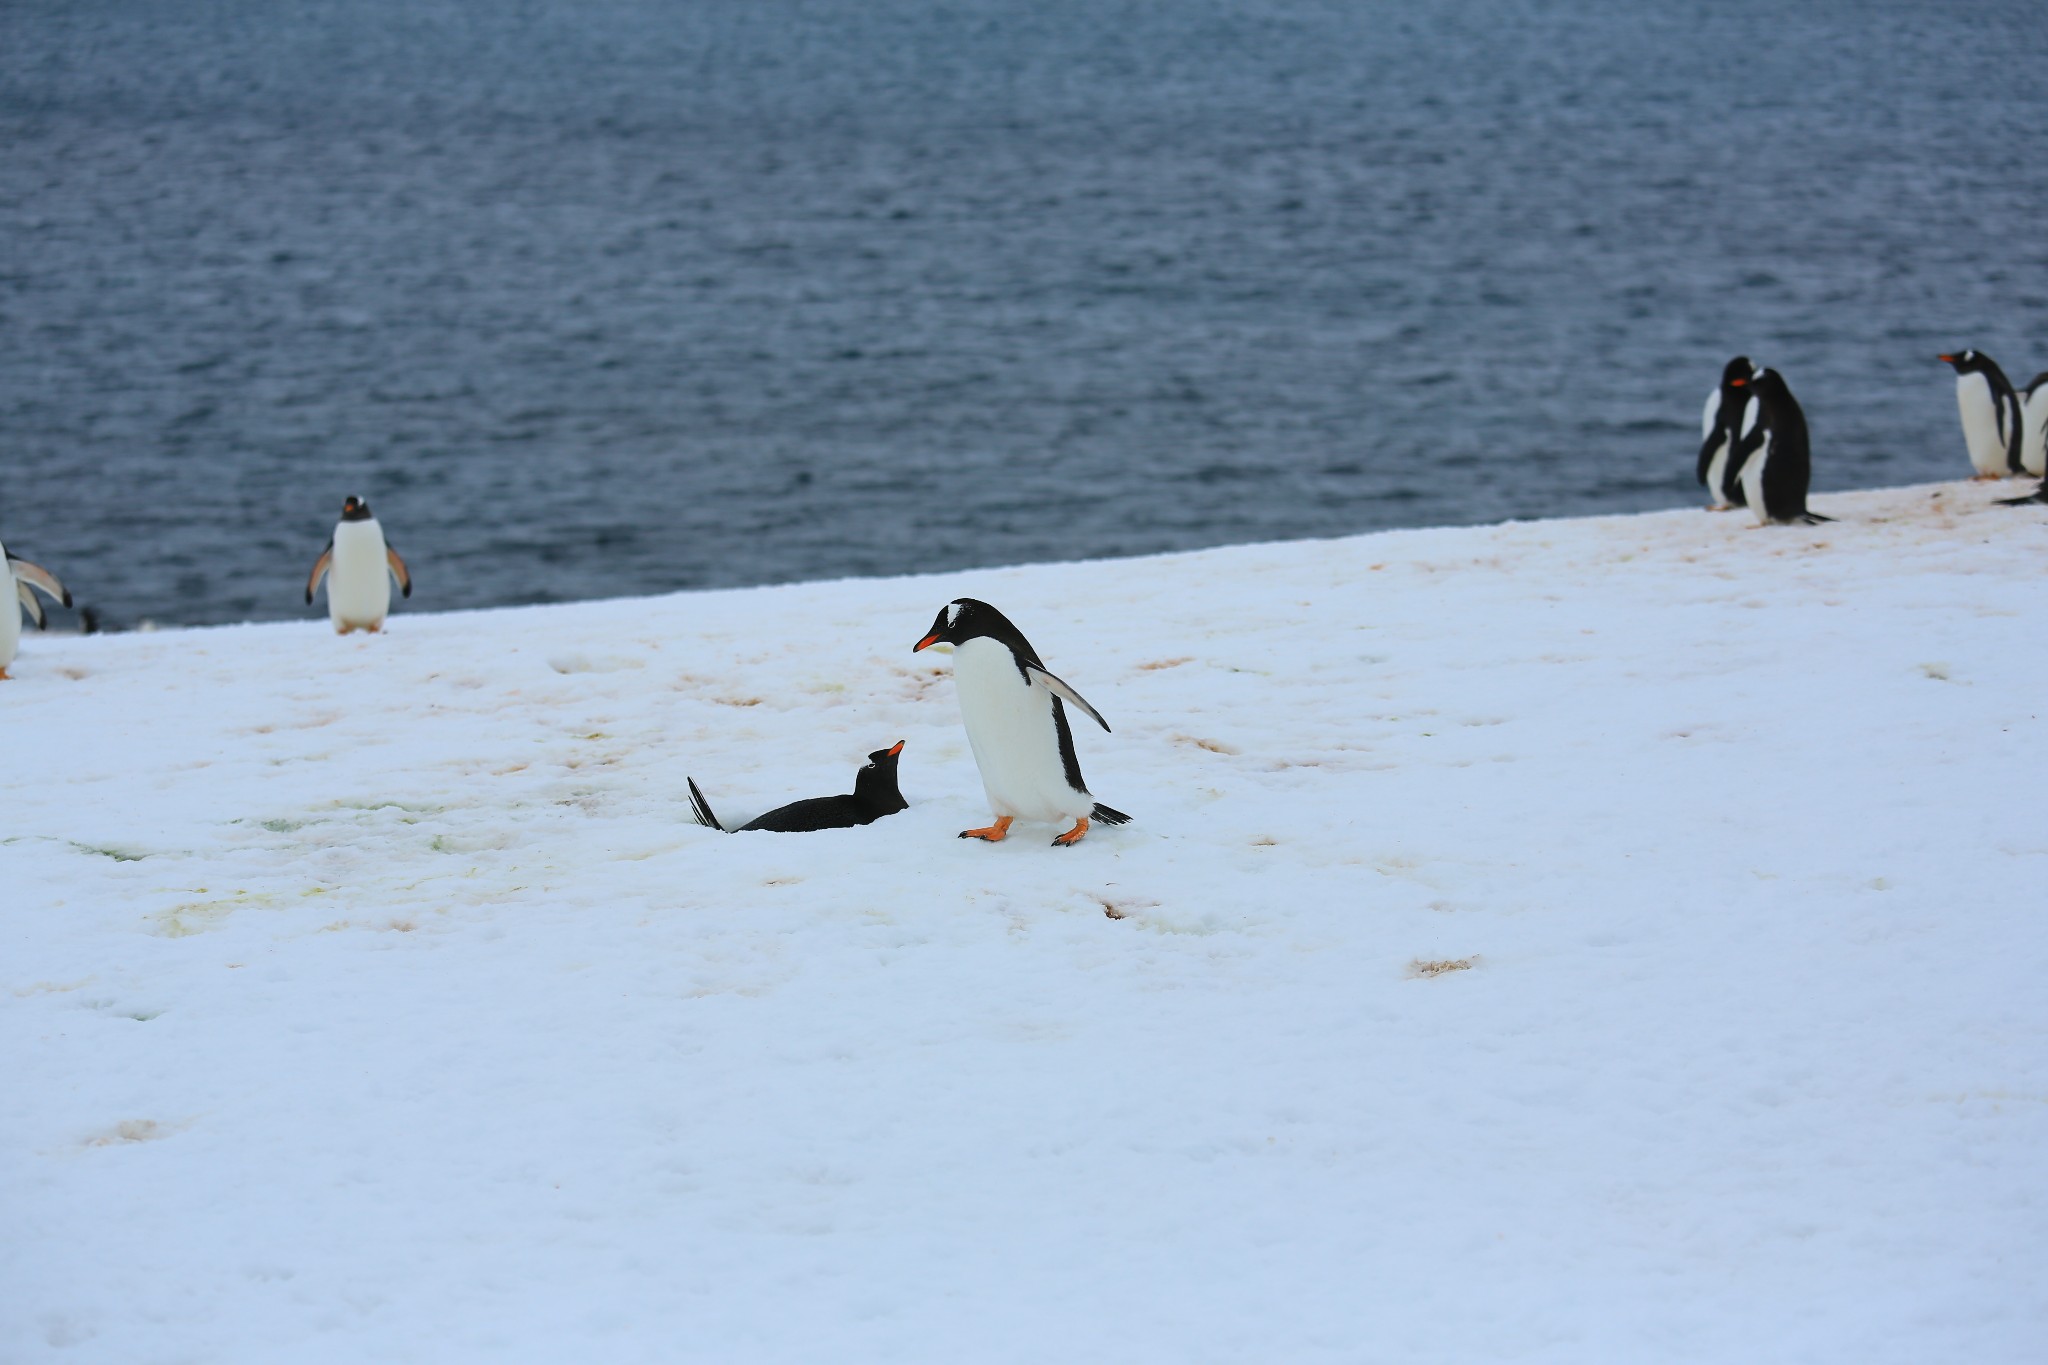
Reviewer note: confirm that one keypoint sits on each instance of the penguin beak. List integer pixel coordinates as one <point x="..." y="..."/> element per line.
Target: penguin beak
<point x="896" y="748"/>
<point x="1949" y="358"/>
<point x="926" y="643"/>
<point x="1738" y="382"/>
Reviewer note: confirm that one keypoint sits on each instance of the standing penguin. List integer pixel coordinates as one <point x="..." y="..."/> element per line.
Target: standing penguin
<point x="354" y="564"/>
<point x="1773" y="453"/>
<point x="1991" y="414"/>
<point x="2034" y="426"/>
<point x="875" y="794"/>
<point x="1719" y="435"/>
<point x="21" y="577"/>
<point x="1016" y="724"/>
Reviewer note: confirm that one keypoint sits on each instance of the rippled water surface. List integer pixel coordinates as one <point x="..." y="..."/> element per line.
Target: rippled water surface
<point x="622" y="297"/>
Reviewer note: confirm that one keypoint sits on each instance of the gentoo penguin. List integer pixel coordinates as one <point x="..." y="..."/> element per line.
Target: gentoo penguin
<point x="1719" y="434"/>
<point x="1991" y="414"/>
<point x="355" y="563"/>
<point x="1016" y="724"/>
<point x="875" y="794"/>
<point x="2034" y="426"/>
<point x="1776" y="463"/>
<point x="22" y="576"/>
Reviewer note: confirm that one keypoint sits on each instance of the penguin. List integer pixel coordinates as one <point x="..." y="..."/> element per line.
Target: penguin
<point x="354" y="564"/>
<point x="1717" y="473"/>
<point x="1991" y="414"/>
<point x="23" y="577"/>
<point x="1016" y="717"/>
<point x="875" y="794"/>
<point x="2034" y="426"/>
<point x="1773" y="454"/>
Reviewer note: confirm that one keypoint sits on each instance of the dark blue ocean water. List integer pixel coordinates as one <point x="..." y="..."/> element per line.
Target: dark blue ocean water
<point x="621" y="296"/>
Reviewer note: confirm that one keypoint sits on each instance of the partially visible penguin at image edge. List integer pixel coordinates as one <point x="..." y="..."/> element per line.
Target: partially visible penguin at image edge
<point x="1016" y="717"/>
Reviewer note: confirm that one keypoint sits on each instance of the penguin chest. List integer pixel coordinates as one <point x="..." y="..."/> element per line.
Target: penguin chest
<point x="2034" y="429"/>
<point x="358" y="581"/>
<point x="1979" y="409"/>
<point x="1018" y="745"/>
<point x="1717" y="472"/>
<point x="1753" y="480"/>
<point x="10" y="613"/>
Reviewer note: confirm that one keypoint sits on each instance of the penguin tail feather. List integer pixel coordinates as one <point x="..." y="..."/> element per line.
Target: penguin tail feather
<point x="1814" y="518"/>
<point x="1108" y="815"/>
<point x="702" y="808"/>
<point x="2038" y="495"/>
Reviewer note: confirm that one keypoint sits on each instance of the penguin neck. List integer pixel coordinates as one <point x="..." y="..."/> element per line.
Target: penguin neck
<point x="879" y="791"/>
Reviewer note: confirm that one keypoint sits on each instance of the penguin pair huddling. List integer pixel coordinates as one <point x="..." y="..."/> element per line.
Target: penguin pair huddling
<point x="1753" y="449"/>
<point x="2005" y="429"/>
<point x="359" y="568"/>
<point x="19" y="585"/>
<point x="1015" y="712"/>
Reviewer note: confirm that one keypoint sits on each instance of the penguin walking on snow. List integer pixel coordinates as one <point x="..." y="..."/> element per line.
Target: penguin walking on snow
<point x="875" y="794"/>
<point x="1720" y="432"/>
<point x="1773" y="454"/>
<point x="1991" y="414"/>
<point x="354" y="564"/>
<point x="1016" y="717"/>
<point x="22" y="579"/>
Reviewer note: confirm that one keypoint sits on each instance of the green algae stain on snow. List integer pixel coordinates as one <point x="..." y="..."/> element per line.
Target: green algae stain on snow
<point x="197" y="917"/>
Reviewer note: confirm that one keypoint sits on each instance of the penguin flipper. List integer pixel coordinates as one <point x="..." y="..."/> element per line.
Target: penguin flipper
<point x="1038" y="673"/>
<point x="319" y="571"/>
<point x="1108" y="815"/>
<point x="41" y="577"/>
<point x="28" y="599"/>
<point x="398" y="571"/>
<point x="702" y="808"/>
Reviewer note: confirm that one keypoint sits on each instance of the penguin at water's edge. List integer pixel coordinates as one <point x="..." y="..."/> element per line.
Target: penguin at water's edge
<point x="1776" y="461"/>
<point x="1720" y="432"/>
<point x="355" y="564"/>
<point x="1015" y="712"/>
<point x="875" y="794"/>
<point x="1991" y="414"/>
<point x="24" y="579"/>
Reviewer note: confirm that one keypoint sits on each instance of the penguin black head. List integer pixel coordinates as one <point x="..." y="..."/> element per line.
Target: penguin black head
<point x="355" y="509"/>
<point x="1964" y="361"/>
<point x="964" y="619"/>
<point x="1738" y="372"/>
<point x="875" y="784"/>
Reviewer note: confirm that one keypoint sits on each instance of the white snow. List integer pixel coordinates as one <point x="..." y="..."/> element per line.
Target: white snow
<point x="375" y="999"/>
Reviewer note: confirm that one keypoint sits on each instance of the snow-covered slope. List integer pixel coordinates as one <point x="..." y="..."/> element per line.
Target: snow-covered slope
<point x="1612" y="940"/>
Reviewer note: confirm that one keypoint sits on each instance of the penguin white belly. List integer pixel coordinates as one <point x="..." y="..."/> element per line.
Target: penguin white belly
<point x="1753" y="481"/>
<point x="358" y="577"/>
<point x="1717" y="474"/>
<point x="1980" y="424"/>
<point x="10" y="613"/>
<point x="1016" y="744"/>
<point x="2034" y="441"/>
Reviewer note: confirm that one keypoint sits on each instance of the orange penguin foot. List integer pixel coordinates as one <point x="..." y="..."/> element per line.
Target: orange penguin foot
<point x="994" y="834"/>
<point x="3" y="675"/>
<point x="1986" y="478"/>
<point x="1072" y="836"/>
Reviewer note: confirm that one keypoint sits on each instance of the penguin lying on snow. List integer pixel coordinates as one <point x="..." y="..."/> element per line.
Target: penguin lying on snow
<point x="1016" y="724"/>
<point x="22" y="576"/>
<point x="1720" y="432"/>
<point x="1773" y="455"/>
<point x="354" y="564"/>
<point x="875" y="794"/>
<point x="1991" y="414"/>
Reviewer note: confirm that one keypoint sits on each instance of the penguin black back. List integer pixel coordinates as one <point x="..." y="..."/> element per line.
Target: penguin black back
<point x="1774" y="432"/>
<point x="875" y="794"/>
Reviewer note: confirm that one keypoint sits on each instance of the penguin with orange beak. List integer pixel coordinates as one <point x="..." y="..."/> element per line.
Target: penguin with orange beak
<point x="875" y="794"/>
<point x="1016" y="716"/>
